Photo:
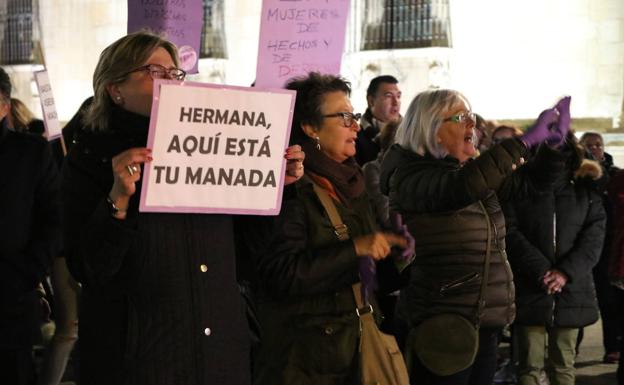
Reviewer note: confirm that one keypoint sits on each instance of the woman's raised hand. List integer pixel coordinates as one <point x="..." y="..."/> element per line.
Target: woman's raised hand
<point x="377" y="245"/>
<point x="294" y="164"/>
<point x="551" y="126"/>
<point x="126" y="172"/>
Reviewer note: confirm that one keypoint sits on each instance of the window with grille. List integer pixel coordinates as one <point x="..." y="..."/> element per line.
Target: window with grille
<point x="391" y="24"/>
<point x="17" y="23"/>
<point x="213" y="34"/>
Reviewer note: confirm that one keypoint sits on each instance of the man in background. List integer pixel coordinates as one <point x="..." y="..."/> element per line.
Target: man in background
<point x="384" y="105"/>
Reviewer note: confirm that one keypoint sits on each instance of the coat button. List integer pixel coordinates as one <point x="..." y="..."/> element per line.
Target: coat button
<point x="329" y="330"/>
<point x="203" y="268"/>
<point x="207" y="331"/>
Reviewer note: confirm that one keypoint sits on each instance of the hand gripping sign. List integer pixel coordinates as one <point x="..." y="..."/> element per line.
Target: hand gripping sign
<point x="216" y="149"/>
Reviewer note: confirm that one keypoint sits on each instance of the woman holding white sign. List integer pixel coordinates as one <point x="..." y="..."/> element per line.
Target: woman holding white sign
<point x="307" y="308"/>
<point x="160" y="303"/>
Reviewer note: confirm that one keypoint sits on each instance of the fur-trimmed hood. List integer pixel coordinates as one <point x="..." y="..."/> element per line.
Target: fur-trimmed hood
<point x="588" y="169"/>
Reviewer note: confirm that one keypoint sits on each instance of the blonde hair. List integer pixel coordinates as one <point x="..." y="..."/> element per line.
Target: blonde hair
<point x="21" y="116"/>
<point x="114" y="66"/>
<point x="419" y="128"/>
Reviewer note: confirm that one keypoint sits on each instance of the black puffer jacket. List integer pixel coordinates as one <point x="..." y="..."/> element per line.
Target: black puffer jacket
<point x="563" y="228"/>
<point x="439" y="200"/>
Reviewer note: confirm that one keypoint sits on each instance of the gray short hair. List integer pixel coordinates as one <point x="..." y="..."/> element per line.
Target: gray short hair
<point x="419" y="128"/>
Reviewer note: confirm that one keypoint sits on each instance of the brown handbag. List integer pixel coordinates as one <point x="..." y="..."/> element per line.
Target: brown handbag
<point x="381" y="361"/>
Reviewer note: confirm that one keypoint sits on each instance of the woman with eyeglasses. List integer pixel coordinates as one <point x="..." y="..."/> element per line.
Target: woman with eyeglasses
<point x="460" y="292"/>
<point x="160" y="302"/>
<point x="307" y="307"/>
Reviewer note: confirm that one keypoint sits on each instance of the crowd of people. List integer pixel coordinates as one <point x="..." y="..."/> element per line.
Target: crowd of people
<point x="506" y="230"/>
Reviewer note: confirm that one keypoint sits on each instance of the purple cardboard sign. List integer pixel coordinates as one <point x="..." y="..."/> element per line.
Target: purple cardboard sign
<point x="180" y="21"/>
<point x="298" y="37"/>
<point x="216" y="149"/>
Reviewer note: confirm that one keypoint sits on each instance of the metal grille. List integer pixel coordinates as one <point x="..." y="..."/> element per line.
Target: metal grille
<point x="16" y="31"/>
<point x="389" y="24"/>
<point x="213" y="43"/>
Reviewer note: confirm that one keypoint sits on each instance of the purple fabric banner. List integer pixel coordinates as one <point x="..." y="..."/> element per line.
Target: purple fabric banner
<point x="180" y="21"/>
<point x="297" y="37"/>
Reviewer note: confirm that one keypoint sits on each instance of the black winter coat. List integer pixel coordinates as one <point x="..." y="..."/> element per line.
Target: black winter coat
<point x="563" y="228"/>
<point x="439" y="201"/>
<point x="160" y="304"/>
<point x="30" y="225"/>
<point x="311" y="330"/>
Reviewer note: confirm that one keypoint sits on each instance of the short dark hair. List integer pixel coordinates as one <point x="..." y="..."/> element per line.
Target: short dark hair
<point x="310" y="92"/>
<point x="374" y="84"/>
<point x="5" y="84"/>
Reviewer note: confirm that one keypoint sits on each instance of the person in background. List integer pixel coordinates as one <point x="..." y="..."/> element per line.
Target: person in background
<point x="594" y="145"/>
<point x="503" y="132"/>
<point x="616" y="265"/>
<point x="372" y="169"/>
<point x="607" y="294"/>
<point x="159" y="303"/>
<point x="554" y="239"/>
<point x="384" y="105"/>
<point x="31" y="237"/>
<point x="450" y="203"/>
<point x="22" y="119"/>
<point x="482" y="131"/>
<point x="63" y="296"/>
<point x="307" y="307"/>
<point x="388" y="292"/>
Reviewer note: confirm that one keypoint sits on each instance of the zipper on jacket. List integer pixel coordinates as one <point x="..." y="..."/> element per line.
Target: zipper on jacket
<point x="459" y="282"/>
<point x="552" y="316"/>
<point x="555" y="235"/>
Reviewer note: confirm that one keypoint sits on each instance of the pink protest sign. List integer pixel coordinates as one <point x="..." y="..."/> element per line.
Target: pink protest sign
<point x="217" y="149"/>
<point x="180" y="21"/>
<point x="298" y="37"/>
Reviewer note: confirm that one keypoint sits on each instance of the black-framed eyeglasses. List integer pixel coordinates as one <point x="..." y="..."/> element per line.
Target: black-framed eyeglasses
<point x="157" y="71"/>
<point x="462" y="117"/>
<point x="348" y="118"/>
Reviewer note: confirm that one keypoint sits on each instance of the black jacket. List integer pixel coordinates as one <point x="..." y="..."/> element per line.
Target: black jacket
<point x="561" y="227"/>
<point x="439" y="201"/>
<point x="160" y="304"/>
<point x="31" y="233"/>
<point x="307" y="309"/>
<point x="367" y="146"/>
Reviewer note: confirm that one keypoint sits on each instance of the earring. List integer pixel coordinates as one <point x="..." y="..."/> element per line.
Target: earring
<point x="118" y="99"/>
<point x="318" y="143"/>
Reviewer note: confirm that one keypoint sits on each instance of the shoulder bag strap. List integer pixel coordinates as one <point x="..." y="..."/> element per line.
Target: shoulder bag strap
<point x="342" y="232"/>
<point x="340" y="229"/>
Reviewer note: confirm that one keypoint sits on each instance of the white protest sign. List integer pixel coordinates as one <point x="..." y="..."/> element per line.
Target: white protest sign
<point x="216" y="149"/>
<point x="50" y="117"/>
